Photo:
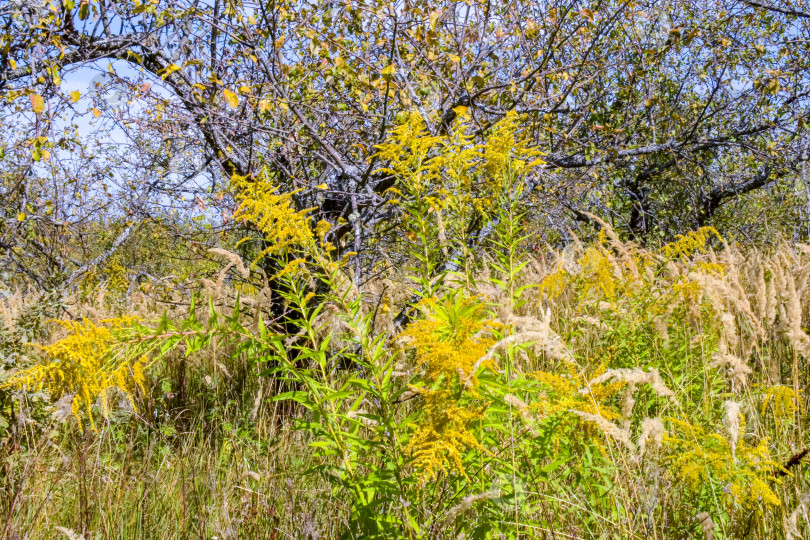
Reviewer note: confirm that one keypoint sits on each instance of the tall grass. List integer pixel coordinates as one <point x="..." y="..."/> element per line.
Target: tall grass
<point x="603" y="391"/>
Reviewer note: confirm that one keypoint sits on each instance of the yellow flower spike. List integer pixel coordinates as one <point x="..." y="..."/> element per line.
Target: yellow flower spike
<point x="688" y="244"/>
<point x="273" y="214"/>
<point x="82" y="364"/>
<point x="452" y="340"/>
<point x="438" y="444"/>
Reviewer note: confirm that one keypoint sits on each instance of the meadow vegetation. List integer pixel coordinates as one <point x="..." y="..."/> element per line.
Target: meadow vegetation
<point x="447" y="269"/>
<point x="600" y="390"/>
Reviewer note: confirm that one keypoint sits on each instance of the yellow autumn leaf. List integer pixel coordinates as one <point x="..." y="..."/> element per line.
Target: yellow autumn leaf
<point x="388" y="72"/>
<point x="74" y="96"/>
<point x="96" y="112"/>
<point x="21" y="216"/>
<point x="245" y="89"/>
<point x="322" y="186"/>
<point x="231" y="98"/>
<point x="169" y="70"/>
<point x="434" y="18"/>
<point x="454" y="58"/>
<point x="37" y="103"/>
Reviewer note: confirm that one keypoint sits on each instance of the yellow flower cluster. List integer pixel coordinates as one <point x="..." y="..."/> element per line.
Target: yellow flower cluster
<point x="690" y="243"/>
<point x="507" y="149"/>
<point x="451" y="345"/>
<point x="784" y="400"/>
<point x="595" y="271"/>
<point x="113" y="273"/>
<point x="563" y="393"/>
<point x="408" y="152"/>
<point x="453" y="170"/>
<point x="620" y="271"/>
<point x="438" y="442"/>
<point x="272" y="213"/>
<point x="452" y="340"/>
<point x="83" y="364"/>
<point x="697" y="457"/>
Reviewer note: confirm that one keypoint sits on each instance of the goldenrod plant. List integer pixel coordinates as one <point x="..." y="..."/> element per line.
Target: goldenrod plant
<point x="80" y="366"/>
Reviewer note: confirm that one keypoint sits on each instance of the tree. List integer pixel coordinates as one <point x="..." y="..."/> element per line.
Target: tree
<point x="656" y="113"/>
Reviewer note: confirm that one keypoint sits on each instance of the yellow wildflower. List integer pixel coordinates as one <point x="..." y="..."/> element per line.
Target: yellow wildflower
<point x="272" y="213"/>
<point x="453" y="340"/>
<point x="438" y="443"/>
<point x="83" y="365"/>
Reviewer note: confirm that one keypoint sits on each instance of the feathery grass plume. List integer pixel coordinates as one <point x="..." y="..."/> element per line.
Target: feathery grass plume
<point x="715" y="290"/>
<point x="251" y="474"/>
<point x="792" y="522"/>
<point x="593" y="321"/>
<point x="536" y="331"/>
<point x="737" y="295"/>
<point x="84" y="364"/>
<point x="651" y="436"/>
<point x="626" y="251"/>
<point x="468" y="501"/>
<point x="732" y="422"/>
<point x="737" y="369"/>
<point x="756" y="276"/>
<point x="331" y="324"/>
<point x="632" y="376"/>
<point x="796" y="335"/>
<point x="568" y="258"/>
<point x="234" y="261"/>
<point x="780" y="272"/>
<point x="63" y="408"/>
<point x="706" y="525"/>
<point x="214" y="288"/>
<point x="69" y="533"/>
<point x="803" y="272"/>
<point x="608" y="428"/>
<point x="441" y="232"/>
<point x="771" y="296"/>
<point x="360" y="415"/>
<point x="6" y="304"/>
<point x="628" y="402"/>
<point x="575" y="241"/>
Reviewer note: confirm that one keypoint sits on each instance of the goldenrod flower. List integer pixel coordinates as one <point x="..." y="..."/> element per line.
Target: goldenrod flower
<point x="83" y="364"/>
